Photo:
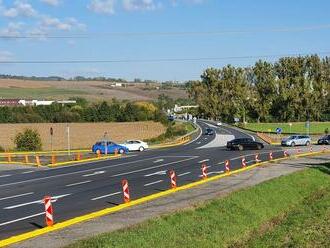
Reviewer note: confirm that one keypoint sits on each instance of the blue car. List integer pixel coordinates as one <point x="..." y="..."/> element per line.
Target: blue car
<point x="109" y="147"/>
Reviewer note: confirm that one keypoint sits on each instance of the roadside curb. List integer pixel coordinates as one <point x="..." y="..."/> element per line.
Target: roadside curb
<point x="139" y="201"/>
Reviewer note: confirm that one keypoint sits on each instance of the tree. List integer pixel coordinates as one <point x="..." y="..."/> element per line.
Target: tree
<point x="28" y="140"/>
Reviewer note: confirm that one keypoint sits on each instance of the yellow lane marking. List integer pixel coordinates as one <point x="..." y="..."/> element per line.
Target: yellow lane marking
<point x="107" y="211"/>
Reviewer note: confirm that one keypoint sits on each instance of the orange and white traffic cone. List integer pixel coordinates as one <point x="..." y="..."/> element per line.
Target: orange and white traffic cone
<point x="98" y="152"/>
<point x="227" y="166"/>
<point x="126" y="194"/>
<point x="173" y="179"/>
<point x="257" y="158"/>
<point x="243" y="162"/>
<point x="270" y="156"/>
<point x="311" y="149"/>
<point x="204" y="171"/>
<point x="48" y="211"/>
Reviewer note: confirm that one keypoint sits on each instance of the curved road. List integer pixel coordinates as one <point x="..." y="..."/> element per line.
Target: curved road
<point x="81" y="189"/>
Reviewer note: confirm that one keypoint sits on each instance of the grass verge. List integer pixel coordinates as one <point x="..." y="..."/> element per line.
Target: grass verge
<point x="288" y="211"/>
<point x="297" y="127"/>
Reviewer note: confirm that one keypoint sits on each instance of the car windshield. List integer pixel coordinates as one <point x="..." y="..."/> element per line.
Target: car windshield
<point x="292" y="137"/>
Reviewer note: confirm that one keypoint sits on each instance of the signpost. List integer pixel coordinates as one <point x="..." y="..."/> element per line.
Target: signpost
<point x="307" y="125"/>
<point x="68" y="137"/>
<point x="279" y="130"/>
<point x="51" y="131"/>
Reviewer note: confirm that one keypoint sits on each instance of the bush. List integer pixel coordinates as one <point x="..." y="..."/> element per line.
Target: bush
<point x="29" y="140"/>
<point x="2" y="149"/>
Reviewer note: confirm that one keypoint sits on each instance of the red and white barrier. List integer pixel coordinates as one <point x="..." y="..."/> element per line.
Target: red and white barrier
<point x="324" y="148"/>
<point x="286" y="154"/>
<point x="311" y="149"/>
<point x="257" y="158"/>
<point x="48" y="211"/>
<point x="173" y="179"/>
<point x="126" y="194"/>
<point x="204" y="171"/>
<point x="243" y="162"/>
<point x="270" y="156"/>
<point x="227" y="166"/>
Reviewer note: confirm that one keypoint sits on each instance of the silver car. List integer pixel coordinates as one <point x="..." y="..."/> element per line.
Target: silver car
<point x="297" y="140"/>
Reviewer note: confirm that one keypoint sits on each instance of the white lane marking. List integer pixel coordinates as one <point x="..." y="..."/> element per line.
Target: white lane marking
<point x="15" y="196"/>
<point x="79" y="183"/>
<point x="156" y="173"/>
<point x="149" y="184"/>
<point x="158" y="161"/>
<point x="154" y="167"/>
<point x="54" y="198"/>
<point x="94" y="174"/>
<point x="5" y="176"/>
<point x="88" y="170"/>
<point x="183" y="174"/>
<point x="104" y="196"/>
<point x="20" y="219"/>
<point x="27" y="172"/>
<point x="202" y="161"/>
<point x="198" y="143"/>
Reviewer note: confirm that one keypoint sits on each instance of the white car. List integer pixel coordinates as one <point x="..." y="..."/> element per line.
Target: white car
<point x="135" y="145"/>
<point x="219" y="124"/>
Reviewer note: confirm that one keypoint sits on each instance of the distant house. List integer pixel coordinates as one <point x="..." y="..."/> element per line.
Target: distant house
<point x="23" y="102"/>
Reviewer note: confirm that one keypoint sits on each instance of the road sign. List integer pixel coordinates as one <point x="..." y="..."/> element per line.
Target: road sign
<point x="279" y="130"/>
<point x="51" y="131"/>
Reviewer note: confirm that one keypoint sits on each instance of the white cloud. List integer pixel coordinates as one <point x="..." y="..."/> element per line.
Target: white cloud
<point x="132" y="5"/>
<point x="6" y="56"/>
<point x="102" y="6"/>
<point x="20" y="8"/>
<point x="68" y="24"/>
<point x="51" y="2"/>
<point x="13" y="29"/>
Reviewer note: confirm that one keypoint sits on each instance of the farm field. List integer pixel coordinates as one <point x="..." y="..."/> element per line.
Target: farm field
<point x="276" y="213"/>
<point x="91" y="90"/>
<point x="296" y="128"/>
<point x="82" y="135"/>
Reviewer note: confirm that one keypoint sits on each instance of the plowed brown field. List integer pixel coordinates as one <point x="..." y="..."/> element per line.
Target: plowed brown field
<point x="82" y="135"/>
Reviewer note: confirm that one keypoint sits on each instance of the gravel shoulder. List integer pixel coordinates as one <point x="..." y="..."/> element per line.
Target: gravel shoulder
<point x="175" y="202"/>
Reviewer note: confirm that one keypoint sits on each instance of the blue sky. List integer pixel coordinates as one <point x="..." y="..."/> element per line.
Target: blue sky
<point x="222" y="29"/>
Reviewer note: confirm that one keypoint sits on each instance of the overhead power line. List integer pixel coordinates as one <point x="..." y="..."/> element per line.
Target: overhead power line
<point x="157" y="60"/>
<point x="196" y="33"/>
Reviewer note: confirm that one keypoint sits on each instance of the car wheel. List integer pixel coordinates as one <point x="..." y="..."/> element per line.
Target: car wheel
<point x="121" y="151"/>
<point x="141" y="149"/>
<point x="308" y="143"/>
<point x="259" y="147"/>
<point x="240" y="148"/>
<point x="293" y="144"/>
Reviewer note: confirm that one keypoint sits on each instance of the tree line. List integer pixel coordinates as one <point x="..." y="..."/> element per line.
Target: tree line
<point x="116" y="111"/>
<point x="291" y="89"/>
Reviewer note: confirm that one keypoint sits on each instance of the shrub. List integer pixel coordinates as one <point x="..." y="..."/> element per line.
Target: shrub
<point x="326" y="131"/>
<point x="2" y="149"/>
<point x="28" y="140"/>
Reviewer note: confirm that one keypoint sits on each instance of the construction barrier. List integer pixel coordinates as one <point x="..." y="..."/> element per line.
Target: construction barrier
<point x="98" y="153"/>
<point x="257" y="158"/>
<point x="270" y="156"/>
<point x="78" y="156"/>
<point x="243" y="162"/>
<point x="48" y="211"/>
<point x="173" y="179"/>
<point x="227" y="166"/>
<point x="204" y="171"/>
<point x="126" y="194"/>
<point x="286" y="154"/>
<point x="53" y="159"/>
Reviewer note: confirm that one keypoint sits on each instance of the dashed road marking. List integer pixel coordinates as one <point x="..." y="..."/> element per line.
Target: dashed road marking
<point x="20" y="219"/>
<point x="15" y="196"/>
<point x="79" y="183"/>
<point x="183" y="174"/>
<point x="149" y="184"/>
<point x="105" y="196"/>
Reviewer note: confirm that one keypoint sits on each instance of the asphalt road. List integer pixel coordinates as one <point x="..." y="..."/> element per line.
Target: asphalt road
<point x="81" y="189"/>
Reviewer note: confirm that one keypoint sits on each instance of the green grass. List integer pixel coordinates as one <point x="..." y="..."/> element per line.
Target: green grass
<point x="297" y="127"/>
<point x="38" y="93"/>
<point x="290" y="211"/>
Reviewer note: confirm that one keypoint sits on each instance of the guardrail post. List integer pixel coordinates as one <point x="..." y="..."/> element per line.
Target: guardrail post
<point x="48" y="211"/>
<point x="38" y="160"/>
<point x="9" y="158"/>
<point x="26" y="158"/>
<point x="126" y="194"/>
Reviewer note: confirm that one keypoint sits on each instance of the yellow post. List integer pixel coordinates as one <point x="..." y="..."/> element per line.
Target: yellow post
<point x="98" y="153"/>
<point x="38" y="160"/>
<point x="78" y="158"/>
<point x="53" y="159"/>
<point x="9" y="158"/>
<point x="26" y="158"/>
